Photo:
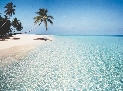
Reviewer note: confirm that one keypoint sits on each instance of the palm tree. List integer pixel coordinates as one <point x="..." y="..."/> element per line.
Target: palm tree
<point x="10" y="9"/>
<point x="6" y="28"/>
<point x="5" y="23"/>
<point x="17" y="25"/>
<point x="43" y="17"/>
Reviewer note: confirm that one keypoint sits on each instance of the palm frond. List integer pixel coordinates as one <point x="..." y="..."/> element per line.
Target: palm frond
<point x="46" y="11"/>
<point x="37" y="19"/>
<point x="10" y="9"/>
<point x="50" y="21"/>
<point x="45" y="23"/>
<point x="51" y="17"/>
<point x="43" y="17"/>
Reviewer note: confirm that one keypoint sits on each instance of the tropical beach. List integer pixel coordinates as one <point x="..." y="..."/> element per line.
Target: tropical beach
<point x="23" y="40"/>
<point x="21" y="43"/>
<point x="61" y="45"/>
<point x="67" y="62"/>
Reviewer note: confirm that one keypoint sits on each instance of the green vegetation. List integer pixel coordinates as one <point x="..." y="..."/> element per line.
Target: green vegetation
<point x="7" y="26"/>
<point x="43" y="17"/>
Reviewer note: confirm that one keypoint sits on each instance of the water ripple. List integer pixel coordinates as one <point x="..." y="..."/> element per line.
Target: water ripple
<point x="67" y="64"/>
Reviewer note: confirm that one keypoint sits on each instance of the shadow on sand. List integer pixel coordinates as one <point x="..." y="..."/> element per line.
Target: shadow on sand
<point x="8" y="37"/>
<point x="4" y="38"/>
<point x="42" y="39"/>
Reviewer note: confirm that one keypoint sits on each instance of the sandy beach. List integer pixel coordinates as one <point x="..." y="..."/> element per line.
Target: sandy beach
<point x="19" y="45"/>
<point x="21" y="39"/>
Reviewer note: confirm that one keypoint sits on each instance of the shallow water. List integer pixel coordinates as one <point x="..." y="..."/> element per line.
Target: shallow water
<point x="68" y="63"/>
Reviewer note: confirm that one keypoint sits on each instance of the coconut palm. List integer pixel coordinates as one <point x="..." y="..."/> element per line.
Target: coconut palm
<point x="43" y="17"/>
<point x="10" y="9"/>
<point x="17" y="25"/>
<point x="6" y="28"/>
<point x="6" y="24"/>
<point x="15" y="22"/>
<point x="1" y="18"/>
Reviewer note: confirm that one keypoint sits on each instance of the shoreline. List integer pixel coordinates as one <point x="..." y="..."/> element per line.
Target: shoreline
<point x="18" y="49"/>
<point x="22" y="39"/>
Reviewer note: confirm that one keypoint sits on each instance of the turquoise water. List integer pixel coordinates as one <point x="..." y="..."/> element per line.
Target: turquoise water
<point x="68" y="63"/>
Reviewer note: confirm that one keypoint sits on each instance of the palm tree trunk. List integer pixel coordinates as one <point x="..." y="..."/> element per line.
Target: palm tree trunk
<point x="32" y="29"/>
<point x="3" y="24"/>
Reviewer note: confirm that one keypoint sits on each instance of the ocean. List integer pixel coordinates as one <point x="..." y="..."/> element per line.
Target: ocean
<point x="68" y="63"/>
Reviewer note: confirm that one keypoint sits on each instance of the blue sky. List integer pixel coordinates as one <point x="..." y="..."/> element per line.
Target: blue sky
<point x="83" y="17"/>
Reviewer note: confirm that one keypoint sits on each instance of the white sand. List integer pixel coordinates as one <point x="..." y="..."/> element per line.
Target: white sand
<point x="13" y="50"/>
<point x="24" y="39"/>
